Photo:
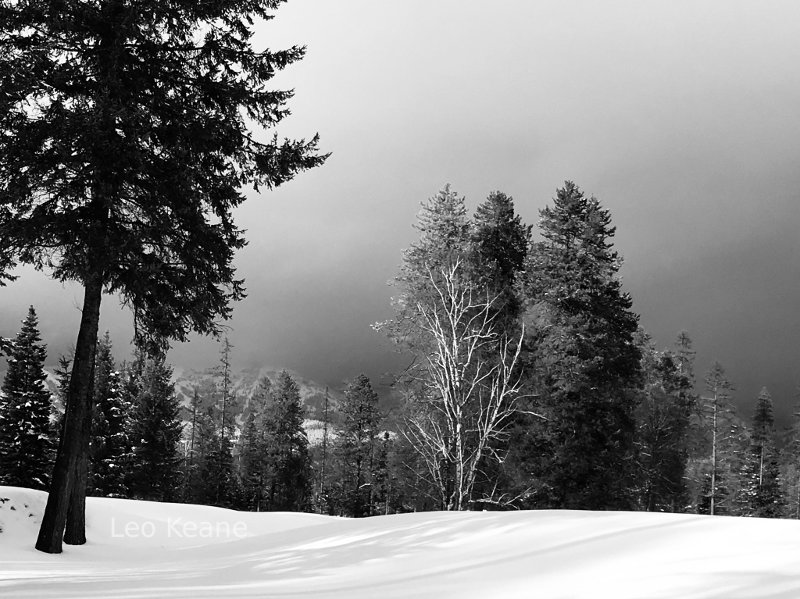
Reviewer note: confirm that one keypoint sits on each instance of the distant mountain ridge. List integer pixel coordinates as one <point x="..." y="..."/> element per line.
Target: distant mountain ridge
<point x="244" y="382"/>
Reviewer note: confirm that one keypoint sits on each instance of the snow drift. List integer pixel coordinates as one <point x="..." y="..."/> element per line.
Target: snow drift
<point x="142" y="549"/>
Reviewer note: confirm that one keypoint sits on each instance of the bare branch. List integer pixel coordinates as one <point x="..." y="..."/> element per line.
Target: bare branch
<point x="472" y="380"/>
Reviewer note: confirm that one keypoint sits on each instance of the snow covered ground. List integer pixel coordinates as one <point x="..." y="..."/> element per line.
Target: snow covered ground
<point x="140" y="549"/>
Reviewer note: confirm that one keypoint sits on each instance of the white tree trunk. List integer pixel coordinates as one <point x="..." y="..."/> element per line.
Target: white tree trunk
<point x="471" y="386"/>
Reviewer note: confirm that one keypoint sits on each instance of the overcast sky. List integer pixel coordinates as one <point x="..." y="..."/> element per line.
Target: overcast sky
<point x="680" y="116"/>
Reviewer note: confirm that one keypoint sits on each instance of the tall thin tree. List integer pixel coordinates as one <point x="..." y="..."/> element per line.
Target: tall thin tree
<point x="715" y="407"/>
<point x="762" y="493"/>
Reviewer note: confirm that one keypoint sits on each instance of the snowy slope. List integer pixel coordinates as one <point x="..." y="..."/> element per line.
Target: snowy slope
<point x="546" y="554"/>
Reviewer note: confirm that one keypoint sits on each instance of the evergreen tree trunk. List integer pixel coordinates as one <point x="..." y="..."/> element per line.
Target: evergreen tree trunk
<point x="75" y="532"/>
<point x="75" y="439"/>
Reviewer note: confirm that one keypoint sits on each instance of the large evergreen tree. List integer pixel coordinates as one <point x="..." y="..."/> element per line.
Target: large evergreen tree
<point x="581" y="330"/>
<point x="126" y="144"/>
<point x="499" y="243"/>
<point x="26" y="442"/>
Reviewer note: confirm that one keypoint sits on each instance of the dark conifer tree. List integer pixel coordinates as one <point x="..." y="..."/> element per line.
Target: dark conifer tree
<point x="109" y="444"/>
<point x="412" y="489"/>
<point x="288" y="466"/>
<point x="761" y="490"/>
<point x="26" y="443"/>
<point x="499" y="245"/>
<point x="685" y="357"/>
<point x="355" y="448"/>
<point x="201" y="487"/>
<point x="580" y="331"/>
<point x="213" y="480"/>
<point x="190" y="466"/>
<point x="154" y="428"/>
<point x="251" y="465"/>
<point x="499" y="242"/>
<point x="220" y="473"/>
<point x="62" y="373"/>
<point x="126" y="177"/>
<point x="254" y="451"/>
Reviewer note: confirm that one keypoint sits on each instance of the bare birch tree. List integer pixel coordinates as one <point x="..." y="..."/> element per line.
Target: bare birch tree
<point x="470" y="385"/>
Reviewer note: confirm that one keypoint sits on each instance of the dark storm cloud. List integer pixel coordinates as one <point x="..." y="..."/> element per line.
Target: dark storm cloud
<point x="680" y="116"/>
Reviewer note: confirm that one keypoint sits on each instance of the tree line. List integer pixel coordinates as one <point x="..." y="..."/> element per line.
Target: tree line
<point x="531" y="386"/>
<point x="145" y="445"/>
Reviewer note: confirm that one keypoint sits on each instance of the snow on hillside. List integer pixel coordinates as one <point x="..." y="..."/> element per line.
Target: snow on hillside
<point x="141" y="549"/>
<point x="244" y="382"/>
<point x="315" y="431"/>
